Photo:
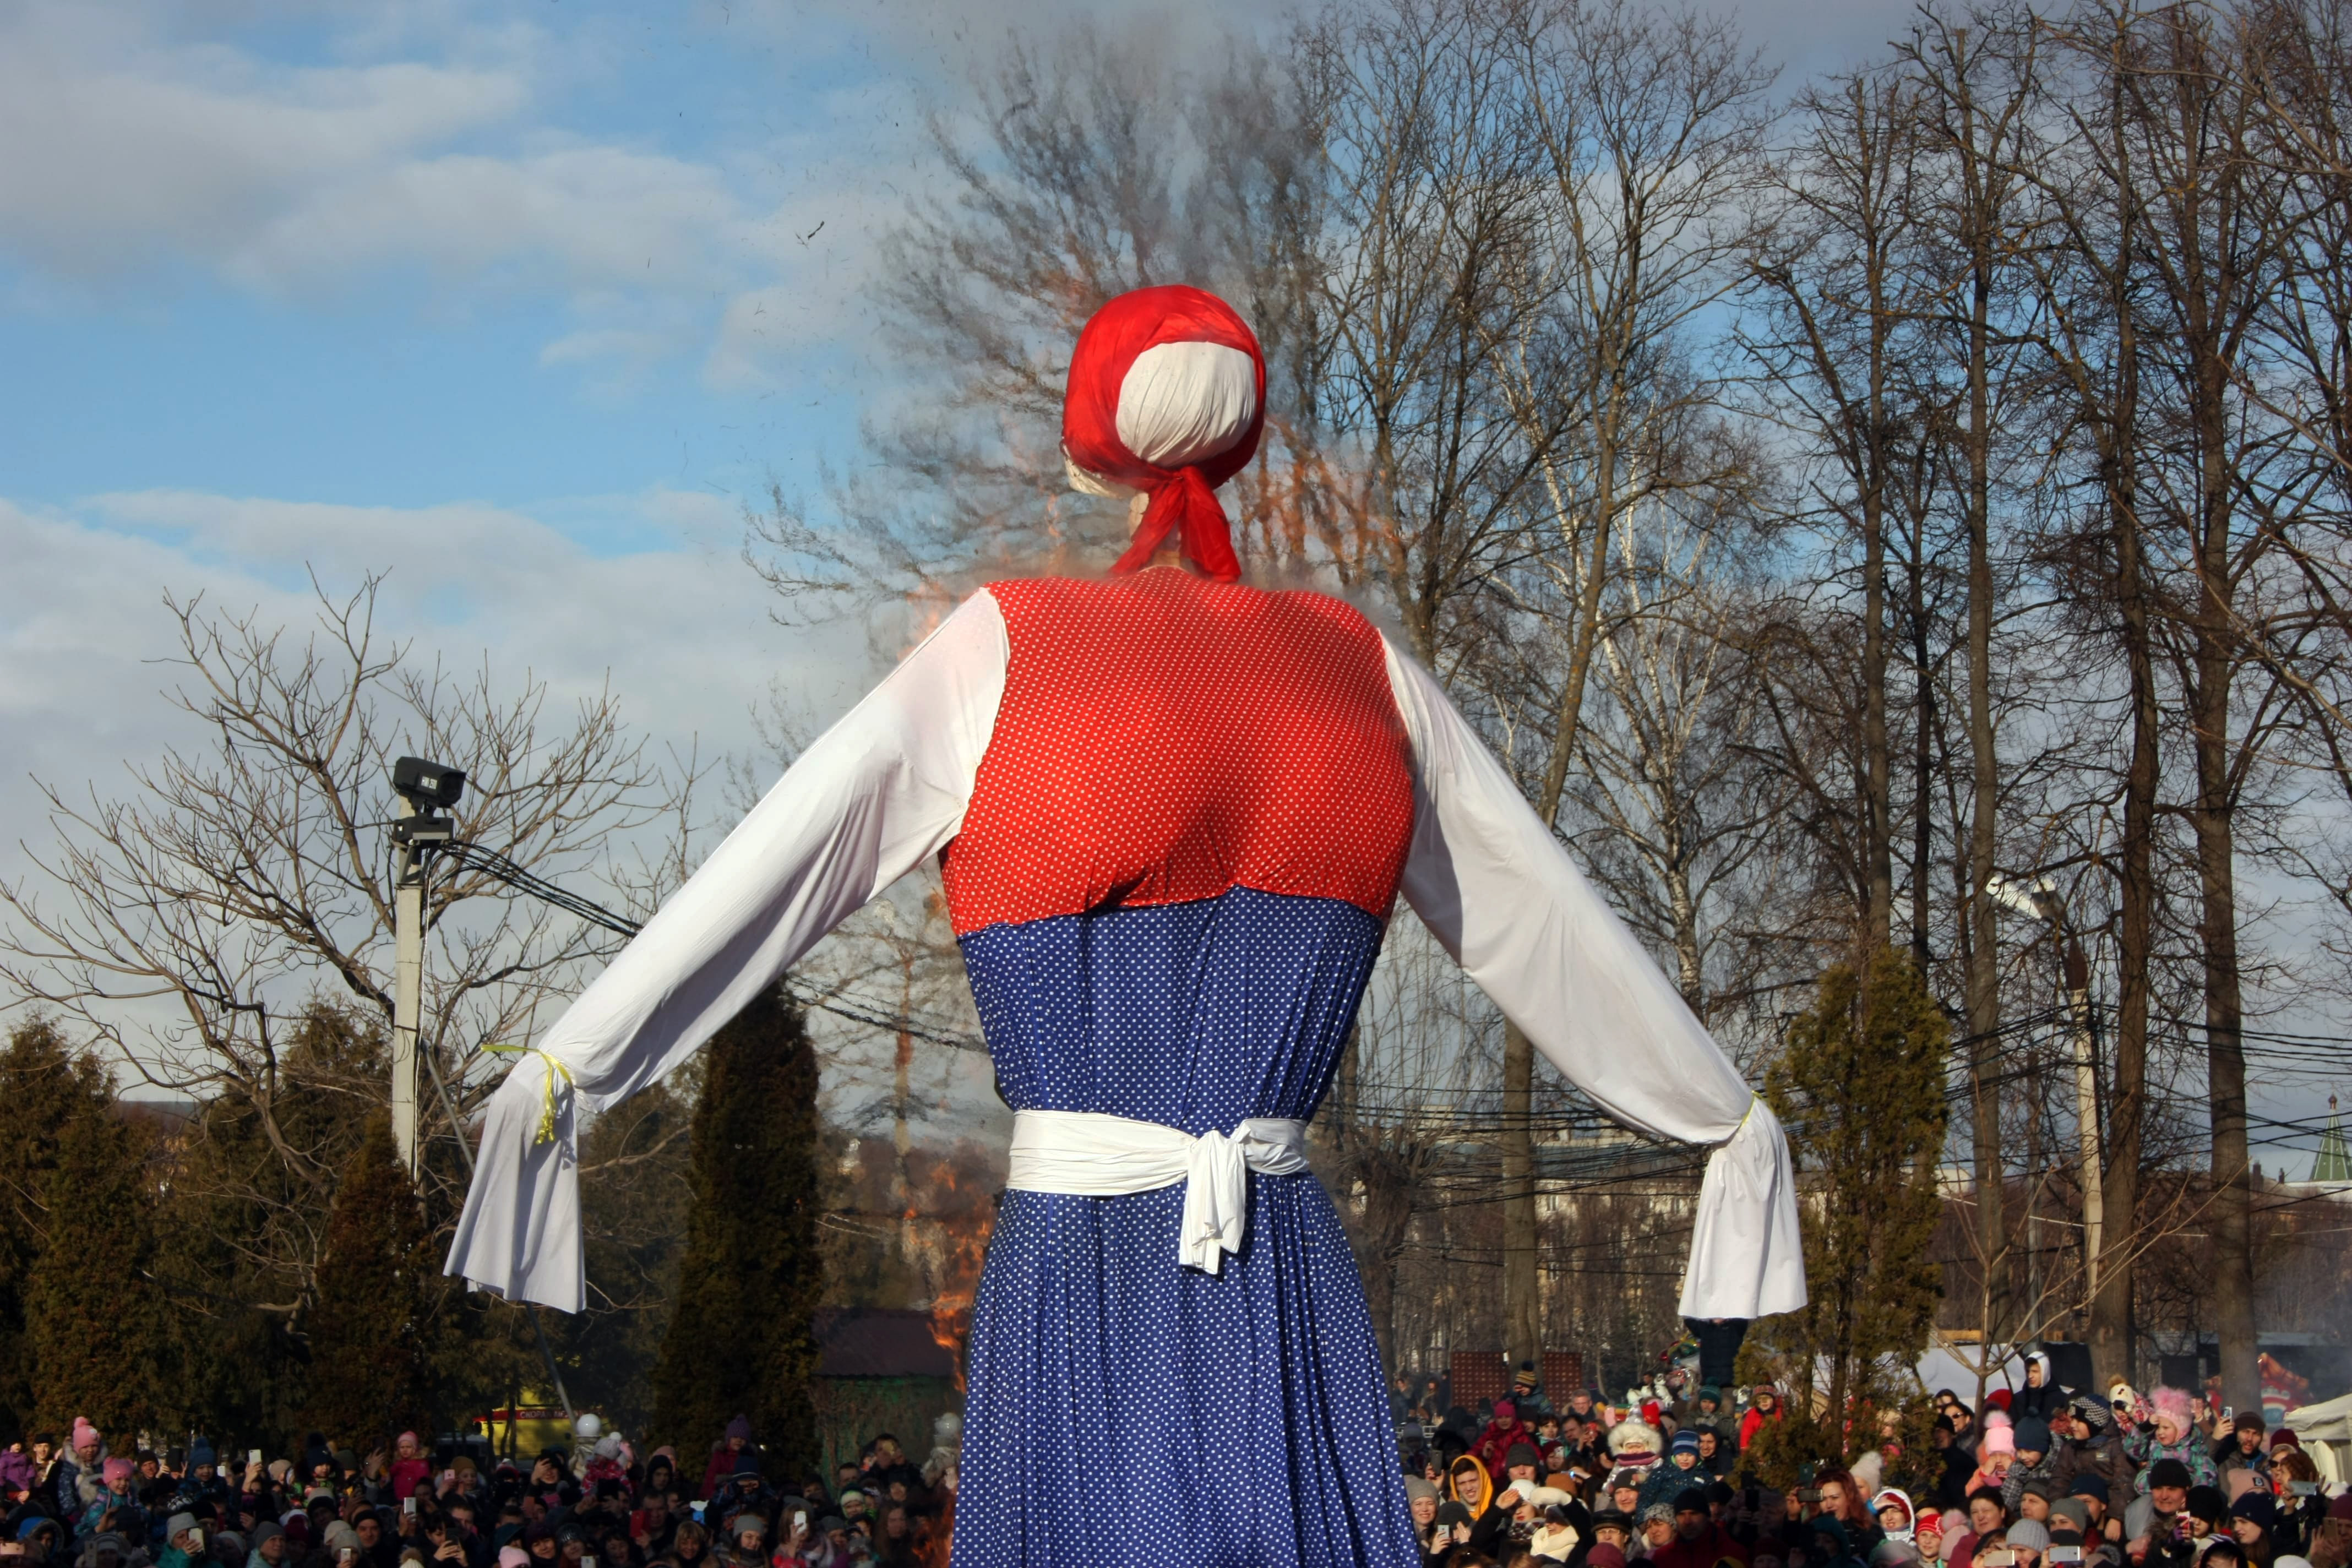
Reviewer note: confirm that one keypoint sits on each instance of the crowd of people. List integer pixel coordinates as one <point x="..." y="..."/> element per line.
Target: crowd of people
<point x="2038" y="1477"/>
<point x="595" y="1503"/>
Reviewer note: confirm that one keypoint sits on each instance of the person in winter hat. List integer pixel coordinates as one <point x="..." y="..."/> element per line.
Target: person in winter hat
<point x="410" y="1468"/>
<point x="1420" y="1501"/>
<point x="1451" y="1528"/>
<point x="1505" y="1432"/>
<point x="1527" y="1396"/>
<point x="2170" y="1432"/>
<point x="116" y="1506"/>
<point x="110" y="1549"/>
<point x="40" y="1536"/>
<point x="182" y="1541"/>
<point x="2085" y="1441"/>
<point x="1996" y="1452"/>
<point x="1763" y="1404"/>
<point x="267" y="1548"/>
<point x="80" y="1479"/>
<point x="2159" y="1509"/>
<point x="203" y="1481"/>
<point x="2240" y="1448"/>
<point x="723" y="1454"/>
<point x="1698" y="1541"/>
<point x="2029" y="1539"/>
<point x="2252" y="1520"/>
<point x="1633" y="1449"/>
<point x="2032" y="1461"/>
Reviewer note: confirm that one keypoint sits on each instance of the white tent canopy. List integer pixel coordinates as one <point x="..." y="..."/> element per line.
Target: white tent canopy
<point x="2327" y="1432"/>
<point x="1957" y="1370"/>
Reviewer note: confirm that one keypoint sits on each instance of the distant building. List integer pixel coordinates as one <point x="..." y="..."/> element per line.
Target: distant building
<point x="2334" y="1166"/>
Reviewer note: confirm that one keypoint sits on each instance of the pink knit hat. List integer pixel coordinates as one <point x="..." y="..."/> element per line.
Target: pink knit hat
<point x="85" y="1435"/>
<point x="1999" y="1440"/>
<point x="117" y="1471"/>
<point x="2172" y="1404"/>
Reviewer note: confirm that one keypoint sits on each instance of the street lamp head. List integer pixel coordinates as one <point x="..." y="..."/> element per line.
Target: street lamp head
<point x="425" y="785"/>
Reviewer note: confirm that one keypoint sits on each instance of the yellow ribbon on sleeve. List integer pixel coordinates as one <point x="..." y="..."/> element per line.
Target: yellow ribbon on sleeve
<point x="555" y="1065"/>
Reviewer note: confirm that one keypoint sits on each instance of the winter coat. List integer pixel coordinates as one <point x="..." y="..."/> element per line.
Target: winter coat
<point x="2144" y="1450"/>
<point x="408" y="1475"/>
<point x="720" y="1469"/>
<point x="1952" y="1486"/>
<point x="1495" y="1442"/>
<point x="78" y="1485"/>
<point x="2046" y="1402"/>
<point x="1661" y="1482"/>
<point x="1712" y="1546"/>
<point x="129" y="1519"/>
<point x="2013" y="1484"/>
<point x="1754" y="1419"/>
<point x="2102" y="1456"/>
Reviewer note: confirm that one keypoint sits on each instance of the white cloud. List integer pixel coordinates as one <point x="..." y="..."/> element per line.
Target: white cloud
<point x="580" y="215"/>
<point x="121" y="148"/>
<point x="679" y="626"/>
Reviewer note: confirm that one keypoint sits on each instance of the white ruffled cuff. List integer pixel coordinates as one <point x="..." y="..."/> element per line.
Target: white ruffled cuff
<point x="519" y="1234"/>
<point x="1747" y="1257"/>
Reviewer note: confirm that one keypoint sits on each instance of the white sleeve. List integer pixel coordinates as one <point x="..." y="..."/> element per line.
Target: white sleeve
<point x="1497" y="889"/>
<point x="872" y="799"/>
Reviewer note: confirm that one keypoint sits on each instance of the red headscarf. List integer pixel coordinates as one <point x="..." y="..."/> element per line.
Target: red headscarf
<point x="1185" y="422"/>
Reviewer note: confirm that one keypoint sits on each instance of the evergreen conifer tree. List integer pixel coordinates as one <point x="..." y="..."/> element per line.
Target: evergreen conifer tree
<point x="90" y="1302"/>
<point x="741" y="1336"/>
<point x="376" y="1321"/>
<point x="1861" y="1087"/>
<point x="47" y="1087"/>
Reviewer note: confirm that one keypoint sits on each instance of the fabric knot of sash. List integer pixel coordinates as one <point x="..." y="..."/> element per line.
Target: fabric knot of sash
<point x="555" y="1066"/>
<point x="1087" y="1153"/>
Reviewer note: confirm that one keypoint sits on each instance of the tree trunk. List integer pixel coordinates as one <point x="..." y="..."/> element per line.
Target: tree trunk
<point x="2233" y="1272"/>
<point x="1522" y="1290"/>
<point x="2209" y="287"/>
<point x="1878" y="770"/>
<point x="1984" y="952"/>
<point x="1923" y="836"/>
<point x="2113" y="1330"/>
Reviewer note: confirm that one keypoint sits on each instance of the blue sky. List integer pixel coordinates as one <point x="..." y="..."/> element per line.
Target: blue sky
<point x="522" y="299"/>
<point x="537" y="291"/>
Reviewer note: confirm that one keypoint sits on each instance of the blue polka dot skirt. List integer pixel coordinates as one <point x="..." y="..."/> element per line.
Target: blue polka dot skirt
<point x="1124" y="1411"/>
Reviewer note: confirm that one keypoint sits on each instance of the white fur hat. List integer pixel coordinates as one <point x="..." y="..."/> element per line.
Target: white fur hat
<point x="1629" y="1436"/>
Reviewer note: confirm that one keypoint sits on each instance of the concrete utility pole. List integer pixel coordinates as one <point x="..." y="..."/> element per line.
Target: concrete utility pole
<point x="407" y="986"/>
<point x="422" y="786"/>
<point x="2040" y="901"/>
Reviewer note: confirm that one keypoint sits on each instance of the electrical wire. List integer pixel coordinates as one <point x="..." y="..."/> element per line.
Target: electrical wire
<point x="492" y="864"/>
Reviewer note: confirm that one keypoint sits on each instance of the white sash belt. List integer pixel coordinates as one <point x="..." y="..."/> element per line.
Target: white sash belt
<point x="1091" y="1155"/>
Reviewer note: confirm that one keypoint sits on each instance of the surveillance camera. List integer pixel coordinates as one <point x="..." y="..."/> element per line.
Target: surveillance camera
<point x="427" y="784"/>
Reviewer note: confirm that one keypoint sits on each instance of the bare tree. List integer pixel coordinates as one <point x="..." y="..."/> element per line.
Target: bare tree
<point x="193" y="923"/>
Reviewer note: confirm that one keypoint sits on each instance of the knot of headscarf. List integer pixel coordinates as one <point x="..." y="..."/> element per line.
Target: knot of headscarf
<point x="1166" y="396"/>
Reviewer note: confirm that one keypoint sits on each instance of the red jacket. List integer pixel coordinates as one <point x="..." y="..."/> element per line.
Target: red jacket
<point x="1752" y="1420"/>
<point x="1714" y="1544"/>
<point x="1495" y="1442"/>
